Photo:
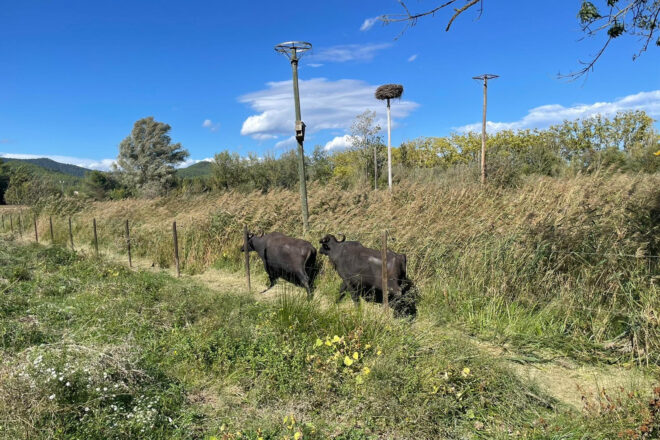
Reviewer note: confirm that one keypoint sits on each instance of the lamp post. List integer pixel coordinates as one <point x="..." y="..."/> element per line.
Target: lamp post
<point x="485" y="77"/>
<point x="292" y="49"/>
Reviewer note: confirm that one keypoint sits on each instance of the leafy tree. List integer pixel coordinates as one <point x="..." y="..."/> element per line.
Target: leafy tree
<point x="147" y="157"/>
<point x="98" y="184"/>
<point x="228" y="170"/>
<point x="367" y="143"/>
<point x="4" y="181"/>
<point x="25" y="188"/>
<point x="639" y="18"/>
<point x="321" y="166"/>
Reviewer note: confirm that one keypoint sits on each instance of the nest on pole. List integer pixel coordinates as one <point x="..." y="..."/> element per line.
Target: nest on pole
<point x="389" y="91"/>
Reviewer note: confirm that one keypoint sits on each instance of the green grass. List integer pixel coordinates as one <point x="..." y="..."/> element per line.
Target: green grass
<point x="93" y="350"/>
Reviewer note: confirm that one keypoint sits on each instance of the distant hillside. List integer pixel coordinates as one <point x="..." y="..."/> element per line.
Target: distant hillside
<point x="65" y="180"/>
<point x="200" y="169"/>
<point x="51" y="165"/>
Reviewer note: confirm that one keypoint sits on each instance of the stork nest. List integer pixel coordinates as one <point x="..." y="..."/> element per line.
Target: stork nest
<point x="389" y="91"/>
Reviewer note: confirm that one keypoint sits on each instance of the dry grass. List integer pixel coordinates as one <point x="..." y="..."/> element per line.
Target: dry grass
<point x="552" y="257"/>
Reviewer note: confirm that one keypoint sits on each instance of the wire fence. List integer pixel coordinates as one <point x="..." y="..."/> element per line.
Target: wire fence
<point x="26" y="226"/>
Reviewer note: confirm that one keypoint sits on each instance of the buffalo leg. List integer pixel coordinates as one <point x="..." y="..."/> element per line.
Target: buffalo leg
<point x="305" y="282"/>
<point x="271" y="281"/>
<point x="342" y="291"/>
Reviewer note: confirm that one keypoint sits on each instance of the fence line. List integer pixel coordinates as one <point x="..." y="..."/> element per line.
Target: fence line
<point x="385" y="237"/>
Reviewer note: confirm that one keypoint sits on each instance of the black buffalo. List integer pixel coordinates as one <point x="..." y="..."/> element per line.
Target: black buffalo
<point x="360" y="269"/>
<point x="285" y="257"/>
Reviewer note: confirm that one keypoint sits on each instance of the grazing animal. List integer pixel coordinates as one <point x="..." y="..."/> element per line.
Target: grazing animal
<point x="360" y="269"/>
<point x="285" y="257"/>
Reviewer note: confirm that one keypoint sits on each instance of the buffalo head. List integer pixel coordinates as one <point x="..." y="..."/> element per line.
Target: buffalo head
<point x="250" y="241"/>
<point x="328" y="242"/>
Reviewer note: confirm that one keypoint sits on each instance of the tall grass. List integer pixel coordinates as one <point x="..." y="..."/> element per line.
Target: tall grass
<point x="551" y="260"/>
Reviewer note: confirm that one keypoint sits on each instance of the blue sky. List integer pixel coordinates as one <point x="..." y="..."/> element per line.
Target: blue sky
<point x="75" y="75"/>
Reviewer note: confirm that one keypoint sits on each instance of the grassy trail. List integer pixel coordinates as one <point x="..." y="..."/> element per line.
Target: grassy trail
<point x="563" y="379"/>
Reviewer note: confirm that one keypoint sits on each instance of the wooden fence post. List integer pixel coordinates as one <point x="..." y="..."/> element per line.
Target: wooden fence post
<point x="3" y="222"/>
<point x="52" y="236"/>
<point x="11" y="223"/>
<point x="247" y="257"/>
<point x="384" y="273"/>
<point x="96" y="238"/>
<point x="36" y="234"/>
<point x="128" y="245"/>
<point x="20" y="224"/>
<point x="176" y="249"/>
<point x="71" y="234"/>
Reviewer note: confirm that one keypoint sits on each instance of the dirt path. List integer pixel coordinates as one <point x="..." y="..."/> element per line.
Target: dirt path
<point x="567" y="381"/>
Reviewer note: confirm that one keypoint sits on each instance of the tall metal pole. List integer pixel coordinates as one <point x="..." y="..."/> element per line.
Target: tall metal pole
<point x="301" y="152"/>
<point x="389" y="145"/>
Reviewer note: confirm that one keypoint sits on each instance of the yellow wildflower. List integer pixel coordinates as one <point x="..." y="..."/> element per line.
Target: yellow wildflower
<point x="356" y="356"/>
<point x="327" y="342"/>
<point x="465" y="372"/>
<point x="378" y="353"/>
<point x="297" y="435"/>
<point x="366" y="371"/>
<point x="336" y="339"/>
<point x="318" y="342"/>
<point x="367" y="347"/>
<point x="657" y="153"/>
<point x="348" y="361"/>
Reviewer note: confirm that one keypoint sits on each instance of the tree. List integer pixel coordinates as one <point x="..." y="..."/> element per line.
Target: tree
<point x="26" y="188"/>
<point x="4" y="181"/>
<point x="640" y="18"/>
<point x="228" y="170"/>
<point x="365" y="139"/>
<point x="147" y="157"/>
<point x="98" y="184"/>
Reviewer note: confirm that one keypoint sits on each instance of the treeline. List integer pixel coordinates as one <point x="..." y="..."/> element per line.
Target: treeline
<point x="628" y="142"/>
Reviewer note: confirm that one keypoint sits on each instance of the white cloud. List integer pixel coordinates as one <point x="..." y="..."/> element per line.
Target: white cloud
<point x="546" y="115"/>
<point x="314" y="64"/>
<point x="92" y="164"/>
<point x="210" y="125"/>
<point x="369" y="23"/>
<point x="325" y="104"/>
<point x="287" y="143"/>
<point x="338" y="143"/>
<point x="348" y="52"/>
<point x="412" y="58"/>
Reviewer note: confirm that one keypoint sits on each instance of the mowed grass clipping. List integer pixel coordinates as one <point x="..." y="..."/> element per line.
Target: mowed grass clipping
<point x="93" y="350"/>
